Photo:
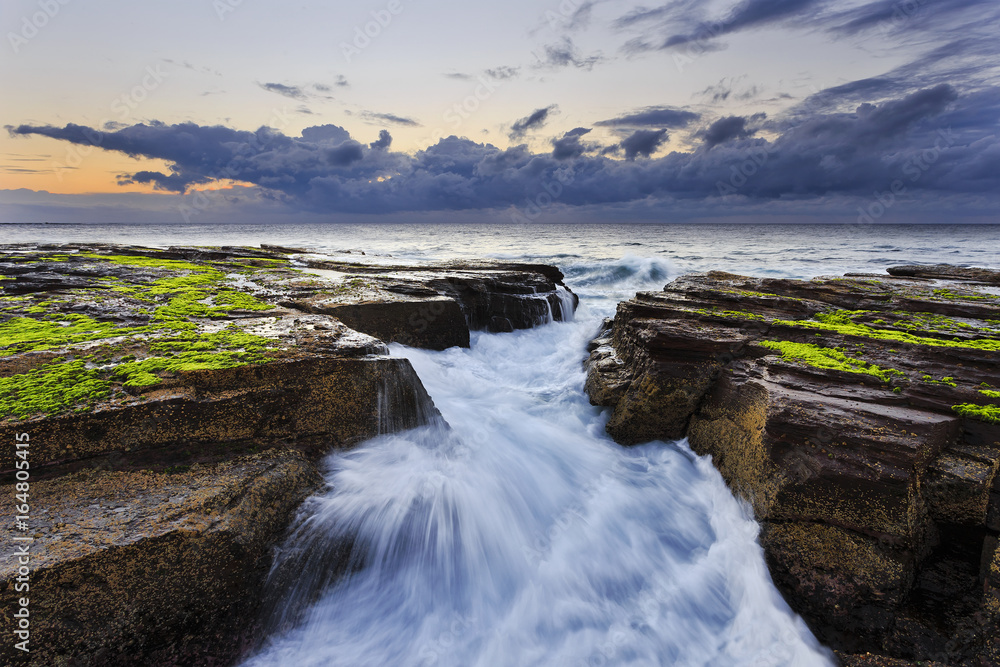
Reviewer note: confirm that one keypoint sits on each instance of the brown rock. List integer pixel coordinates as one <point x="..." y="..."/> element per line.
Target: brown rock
<point x="828" y="405"/>
<point x="141" y="568"/>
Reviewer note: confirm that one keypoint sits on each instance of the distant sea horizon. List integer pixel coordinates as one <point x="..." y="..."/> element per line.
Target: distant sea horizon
<point x="655" y="250"/>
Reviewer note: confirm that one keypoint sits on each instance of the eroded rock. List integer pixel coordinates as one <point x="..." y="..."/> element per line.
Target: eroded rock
<point x="858" y="415"/>
<point x="149" y="381"/>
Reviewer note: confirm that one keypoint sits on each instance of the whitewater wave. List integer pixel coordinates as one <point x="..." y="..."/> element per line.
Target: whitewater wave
<point x="516" y="533"/>
<point x="620" y="278"/>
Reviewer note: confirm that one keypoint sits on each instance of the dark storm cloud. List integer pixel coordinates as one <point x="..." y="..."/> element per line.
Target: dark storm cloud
<point x="667" y="117"/>
<point x="726" y="129"/>
<point x="940" y="143"/>
<point x="570" y="145"/>
<point x="643" y="142"/>
<point x="534" y="120"/>
<point x="383" y="142"/>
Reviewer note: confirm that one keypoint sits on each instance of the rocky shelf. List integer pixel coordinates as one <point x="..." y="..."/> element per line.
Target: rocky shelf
<point x="176" y="402"/>
<point x="859" y="416"/>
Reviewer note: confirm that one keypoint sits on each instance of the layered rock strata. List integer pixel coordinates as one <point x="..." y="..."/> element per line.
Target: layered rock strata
<point x="860" y="418"/>
<point x="174" y="402"/>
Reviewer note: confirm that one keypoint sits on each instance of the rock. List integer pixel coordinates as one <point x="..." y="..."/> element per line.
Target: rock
<point x="416" y="305"/>
<point x="854" y="414"/>
<point x="181" y="561"/>
<point x="947" y="271"/>
<point x="148" y="382"/>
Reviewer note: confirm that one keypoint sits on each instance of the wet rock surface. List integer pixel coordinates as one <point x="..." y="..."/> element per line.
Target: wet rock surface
<point x="859" y="416"/>
<point x="176" y="402"/>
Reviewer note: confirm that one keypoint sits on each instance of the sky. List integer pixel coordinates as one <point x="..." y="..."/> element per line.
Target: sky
<point x="438" y="110"/>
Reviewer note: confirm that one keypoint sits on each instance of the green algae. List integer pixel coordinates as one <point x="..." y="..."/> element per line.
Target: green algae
<point x="195" y="303"/>
<point x="142" y="261"/>
<point x="949" y="381"/>
<point x="27" y="334"/>
<point x="730" y="314"/>
<point x="140" y="374"/>
<point x="233" y="300"/>
<point x="951" y="294"/>
<point x="829" y="358"/>
<point x="192" y="351"/>
<point x="841" y="322"/>
<point x="50" y="389"/>
<point x="991" y="393"/>
<point x="986" y="413"/>
<point x="172" y="336"/>
<point x="922" y="321"/>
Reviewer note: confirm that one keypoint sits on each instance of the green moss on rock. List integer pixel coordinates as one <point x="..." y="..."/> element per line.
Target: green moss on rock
<point x="986" y="413"/>
<point x="824" y="357"/>
<point x="841" y="322"/>
<point x="50" y="389"/>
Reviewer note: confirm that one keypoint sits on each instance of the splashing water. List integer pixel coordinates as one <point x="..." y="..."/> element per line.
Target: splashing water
<point x="516" y="533"/>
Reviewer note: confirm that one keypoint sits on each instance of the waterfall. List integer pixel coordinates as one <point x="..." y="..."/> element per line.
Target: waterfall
<point x="514" y="532"/>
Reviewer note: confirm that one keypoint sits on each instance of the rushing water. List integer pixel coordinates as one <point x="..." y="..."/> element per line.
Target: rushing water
<point x="514" y="531"/>
<point x="518" y="534"/>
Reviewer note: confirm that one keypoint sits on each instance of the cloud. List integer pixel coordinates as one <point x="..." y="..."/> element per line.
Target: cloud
<point x="580" y="19"/>
<point x="503" y="72"/>
<point x="333" y="134"/>
<point x="294" y="92"/>
<point x="383" y="142"/>
<point x="643" y="142"/>
<point x="889" y="16"/>
<point x="726" y="88"/>
<point x="942" y="145"/>
<point x="728" y="128"/>
<point x="686" y="23"/>
<point x="388" y="118"/>
<point x="565" y="54"/>
<point x="570" y="145"/>
<point x="668" y="117"/>
<point x="533" y="121"/>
